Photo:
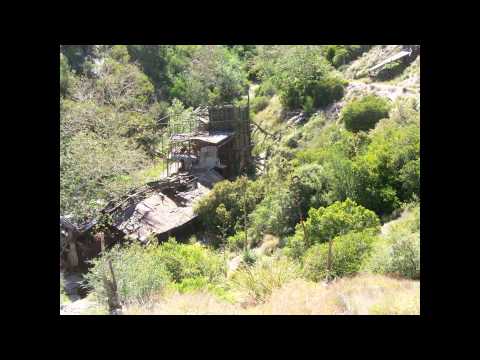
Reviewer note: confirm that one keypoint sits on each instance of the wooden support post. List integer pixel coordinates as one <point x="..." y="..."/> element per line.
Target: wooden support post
<point x="329" y="261"/>
<point x="245" y="212"/>
<point x="72" y="255"/>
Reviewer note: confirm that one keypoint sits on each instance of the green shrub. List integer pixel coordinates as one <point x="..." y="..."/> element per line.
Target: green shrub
<point x="266" y="89"/>
<point x="189" y="261"/>
<point x="143" y="271"/>
<point x="276" y="214"/>
<point x="65" y="77"/>
<point x="139" y="274"/>
<point x="326" y="223"/>
<point x="391" y="70"/>
<point x="292" y="142"/>
<point x="230" y="194"/>
<point x="258" y="103"/>
<point x="120" y="53"/>
<point x="348" y="253"/>
<point x="214" y="76"/>
<point x="364" y="113"/>
<point x="398" y="252"/>
<point x="339" y="55"/>
<point x="308" y="105"/>
<point x="302" y="72"/>
<point x="280" y="210"/>
<point x="202" y="283"/>
<point x="269" y="273"/>
<point x="406" y="257"/>
<point x="237" y="241"/>
<point x="388" y="170"/>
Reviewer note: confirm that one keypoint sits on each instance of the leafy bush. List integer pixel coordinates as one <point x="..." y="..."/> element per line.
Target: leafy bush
<point x="348" y="253"/>
<point x="237" y="241"/>
<point x="258" y="103"/>
<point x="189" y="261"/>
<point x="202" y="283"/>
<point x="269" y="273"/>
<point x="378" y="170"/>
<point x="276" y="214"/>
<point x="388" y="171"/>
<point x="139" y="274"/>
<point x="231" y="195"/>
<point x="391" y="70"/>
<point x="291" y="142"/>
<point x="214" y="76"/>
<point x="144" y="271"/>
<point x="302" y="73"/>
<point x="362" y="114"/>
<point x="308" y="105"/>
<point x="120" y="53"/>
<point x="77" y="55"/>
<point x="325" y="223"/>
<point x="266" y="89"/>
<point x="398" y="252"/>
<point x="339" y="55"/>
<point x="280" y="210"/>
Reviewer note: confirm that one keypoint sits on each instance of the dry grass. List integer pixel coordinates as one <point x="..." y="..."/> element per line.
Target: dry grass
<point x="268" y="245"/>
<point x="361" y="295"/>
<point x="198" y="303"/>
<point x="364" y="294"/>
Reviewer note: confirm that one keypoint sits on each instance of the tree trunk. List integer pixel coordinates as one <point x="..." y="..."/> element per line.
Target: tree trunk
<point x="329" y="260"/>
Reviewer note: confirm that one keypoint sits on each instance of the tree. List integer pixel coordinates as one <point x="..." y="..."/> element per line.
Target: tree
<point x="214" y="76"/>
<point x="348" y="252"/>
<point x="305" y="78"/>
<point x="77" y="55"/>
<point x="325" y="223"/>
<point x="230" y="196"/>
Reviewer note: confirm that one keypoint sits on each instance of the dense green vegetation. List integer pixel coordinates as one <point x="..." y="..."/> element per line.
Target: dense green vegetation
<point x="339" y="55"/>
<point x="141" y="272"/>
<point x="303" y="78"/>
<point x="334" y="180"/>
<point x="362" y="114"/>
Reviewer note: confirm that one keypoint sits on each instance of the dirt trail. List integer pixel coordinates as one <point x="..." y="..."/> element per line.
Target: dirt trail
<point x="72" y="286"/>
<point x="78" y="307"/>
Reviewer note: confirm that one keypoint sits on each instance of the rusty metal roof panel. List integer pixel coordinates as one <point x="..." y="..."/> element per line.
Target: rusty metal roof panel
<point x="160" y="213"/>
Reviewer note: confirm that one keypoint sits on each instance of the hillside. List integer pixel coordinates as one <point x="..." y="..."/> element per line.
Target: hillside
<point x="325" y="219"/>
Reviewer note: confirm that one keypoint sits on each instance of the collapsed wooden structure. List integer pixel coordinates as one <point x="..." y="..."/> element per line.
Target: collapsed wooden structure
<point x="218" y="147"/>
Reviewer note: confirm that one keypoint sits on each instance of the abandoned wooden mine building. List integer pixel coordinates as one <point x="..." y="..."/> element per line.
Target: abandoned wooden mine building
<point x="218" y="147"/>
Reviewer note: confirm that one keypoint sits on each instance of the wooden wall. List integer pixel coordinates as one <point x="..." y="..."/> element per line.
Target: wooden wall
<point x="237" y="155"/>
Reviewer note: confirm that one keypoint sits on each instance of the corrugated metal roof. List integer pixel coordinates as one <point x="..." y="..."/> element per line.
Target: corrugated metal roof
<point x="214" y="138"/>
<point x="159" y="213"/>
